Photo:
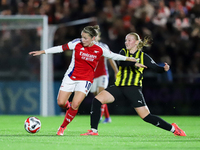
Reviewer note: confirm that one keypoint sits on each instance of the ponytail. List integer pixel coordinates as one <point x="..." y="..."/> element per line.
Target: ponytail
<point x="145" y="43"/>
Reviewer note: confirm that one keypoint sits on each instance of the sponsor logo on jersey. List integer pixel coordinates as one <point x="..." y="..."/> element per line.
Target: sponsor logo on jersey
<point x="88" y="57"/>
<point x="82" y="48"/>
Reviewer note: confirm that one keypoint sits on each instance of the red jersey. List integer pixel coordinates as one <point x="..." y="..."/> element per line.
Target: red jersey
<point x="84" y="59"/>
<point x="102" y="68"/>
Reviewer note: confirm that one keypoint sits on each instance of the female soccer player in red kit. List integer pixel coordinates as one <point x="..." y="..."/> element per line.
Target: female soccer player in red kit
<point x="79" y="76"/>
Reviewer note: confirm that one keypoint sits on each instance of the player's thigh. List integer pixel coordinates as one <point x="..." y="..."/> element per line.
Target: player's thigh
<point x="109" y="95"/>
<point x="105" y="97"/>
<point x="63" y="96"/>
<point x="77" y="99"/>
<point x="66" y="89"/>
<point x="134" y="96"/>
<point x="100" y="89"/>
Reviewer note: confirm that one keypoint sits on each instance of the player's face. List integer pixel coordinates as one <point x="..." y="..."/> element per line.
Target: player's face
<point x="86" y="39"/>
<point x="130" y="42"/>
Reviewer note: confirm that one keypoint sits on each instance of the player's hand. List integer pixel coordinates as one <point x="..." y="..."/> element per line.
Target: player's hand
<point x="36" y="53"/>
<point x="140" y="65"/>
<point x="132" y="59"/>
<point x="166" y="67"/>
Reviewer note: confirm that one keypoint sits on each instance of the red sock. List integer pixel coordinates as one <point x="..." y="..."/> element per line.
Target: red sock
<point x="66" y="105"/>
<point x="102" y="109"/>
<point x="106" y="112"/>
<point x="70" y="114"/>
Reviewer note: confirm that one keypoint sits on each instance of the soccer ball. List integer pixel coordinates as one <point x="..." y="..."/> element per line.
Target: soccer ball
<point x="32" y="125"/>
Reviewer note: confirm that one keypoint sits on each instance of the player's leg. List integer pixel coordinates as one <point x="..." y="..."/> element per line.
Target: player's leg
<point x="81" y="90"/>
<point x="102" y="98"/>
<point x="64" y="93"/>
<point x="102" y="83"/>
<point x="72" y="111"/>
<point x="135" y="95"/>
<point x="106" y="96"/>
<point x="99" y="89"/>
<point x="62" y="99"/>
<point x="144" y="113"/>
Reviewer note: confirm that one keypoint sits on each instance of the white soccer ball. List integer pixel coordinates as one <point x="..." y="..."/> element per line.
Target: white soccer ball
<point x="32" y="125"/>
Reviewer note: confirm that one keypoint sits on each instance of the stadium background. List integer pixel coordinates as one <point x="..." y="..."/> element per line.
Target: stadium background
<point x="175" y="30"/>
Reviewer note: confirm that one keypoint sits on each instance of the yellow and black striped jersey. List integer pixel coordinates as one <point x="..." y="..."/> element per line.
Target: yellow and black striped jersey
<point x="129" y="74"/>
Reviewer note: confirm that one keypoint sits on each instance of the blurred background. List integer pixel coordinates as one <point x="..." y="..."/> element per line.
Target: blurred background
<point x="173" y="24"/>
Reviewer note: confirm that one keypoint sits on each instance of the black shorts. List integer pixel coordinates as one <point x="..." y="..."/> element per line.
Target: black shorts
<point x="131" y="93"/>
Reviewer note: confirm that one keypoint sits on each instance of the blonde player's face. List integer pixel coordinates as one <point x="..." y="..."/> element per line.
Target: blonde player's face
<point x="130" y="42"/>
<point x="86" y="39"/>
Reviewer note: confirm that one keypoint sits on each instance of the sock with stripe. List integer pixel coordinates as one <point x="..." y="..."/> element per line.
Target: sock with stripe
<point x="70" y="114"/>
<point x="158" y="122"/>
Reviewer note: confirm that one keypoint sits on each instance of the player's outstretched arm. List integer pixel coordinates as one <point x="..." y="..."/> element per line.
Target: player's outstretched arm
<point x="140" y="65"/>
<point x="131" y="59"/>
<point x="36" y="53"/>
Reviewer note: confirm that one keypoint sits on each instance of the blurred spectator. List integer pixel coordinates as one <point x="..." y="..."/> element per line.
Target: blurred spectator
<point x="108" y="9"/>
<point x="189" y="4"/>
<point x="121" y="8"/>
<point x="196" y="9"/>
<point x="196" y="28"/>
<point x="47" y="9"/>
<point x="182" y="24"/>
<point x="162" y="14"/>
<point x="5" y="10"/>
<point x="134" y="4"/>
<point x="176" y="7"/>
<point x="193" y="72"/>
<point x="145" y="8"/>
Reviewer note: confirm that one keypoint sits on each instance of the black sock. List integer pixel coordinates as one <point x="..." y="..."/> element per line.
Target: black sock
<point x="157" y="121"/>
<point x="95" y="113"/>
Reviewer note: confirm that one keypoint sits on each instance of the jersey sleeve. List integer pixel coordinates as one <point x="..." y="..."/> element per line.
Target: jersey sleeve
<point x="55" y="49"/>
<point x="125" y="63"/>
<point x="151" y="64"/>
<point x="108" y="54"/>
<point x="71" y="45"/>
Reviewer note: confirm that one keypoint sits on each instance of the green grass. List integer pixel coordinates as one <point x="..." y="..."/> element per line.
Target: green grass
<point x="124" y="133"/>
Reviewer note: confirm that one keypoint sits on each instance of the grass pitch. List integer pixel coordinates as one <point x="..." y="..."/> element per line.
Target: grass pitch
<point x="124" y="133"/>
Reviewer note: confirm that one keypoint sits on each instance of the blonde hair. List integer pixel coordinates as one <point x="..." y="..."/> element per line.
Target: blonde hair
<point x="146" y="42"/>
<point x="92" y="30"/>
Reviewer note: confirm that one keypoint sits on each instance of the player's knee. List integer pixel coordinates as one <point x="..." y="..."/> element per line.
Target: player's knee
<point x="60" y="102"/>
<point x="105" y="97"/>
<point x="75" y="105"/>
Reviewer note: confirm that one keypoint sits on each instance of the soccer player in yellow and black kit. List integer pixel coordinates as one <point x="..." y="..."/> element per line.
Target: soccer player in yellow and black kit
<point x="128" y="86"/>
